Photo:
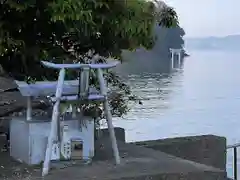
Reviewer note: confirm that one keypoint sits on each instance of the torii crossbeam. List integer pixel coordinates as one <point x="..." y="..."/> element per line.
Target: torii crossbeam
<point x="83" y="90"/>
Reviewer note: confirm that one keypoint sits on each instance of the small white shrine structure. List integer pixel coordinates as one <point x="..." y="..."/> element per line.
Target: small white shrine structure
<point x="41" y="139"/>
<point x="174" y="52"/>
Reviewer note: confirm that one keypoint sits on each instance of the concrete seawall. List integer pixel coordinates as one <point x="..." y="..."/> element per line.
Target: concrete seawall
<point x="139" y="161"/>
<point x="206" y="149"/>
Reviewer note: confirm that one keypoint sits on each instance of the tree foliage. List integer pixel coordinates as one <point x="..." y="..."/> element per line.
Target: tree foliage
<point x="169" y="38"/>
<point x="65" y="31"/>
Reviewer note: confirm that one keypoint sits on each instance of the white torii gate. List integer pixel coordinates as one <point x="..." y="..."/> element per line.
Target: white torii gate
<point x="173" y="52"/>
<point x="83" y="88"/>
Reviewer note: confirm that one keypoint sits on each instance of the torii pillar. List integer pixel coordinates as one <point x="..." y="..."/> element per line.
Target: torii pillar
<point x="173" y="52"/>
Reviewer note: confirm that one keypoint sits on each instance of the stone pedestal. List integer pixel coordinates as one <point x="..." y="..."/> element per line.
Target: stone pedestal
<point x="28" y="139"/>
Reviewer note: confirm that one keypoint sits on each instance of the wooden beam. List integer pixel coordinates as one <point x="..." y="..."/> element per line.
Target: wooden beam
<point x="108" y="114"/>
<point x="54" y="123"/>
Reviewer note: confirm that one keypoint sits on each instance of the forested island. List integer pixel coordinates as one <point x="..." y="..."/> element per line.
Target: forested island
<point x="157" y="59"/>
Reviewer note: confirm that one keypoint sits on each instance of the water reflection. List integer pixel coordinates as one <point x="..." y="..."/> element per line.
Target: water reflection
<point x="186" y="100"/>
<point x="201" y="99"/>
<point x="146" y="62"/>
<point x="154" y="81"/>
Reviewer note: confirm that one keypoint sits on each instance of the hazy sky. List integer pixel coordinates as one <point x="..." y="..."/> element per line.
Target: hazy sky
<point x="208" y="17"/>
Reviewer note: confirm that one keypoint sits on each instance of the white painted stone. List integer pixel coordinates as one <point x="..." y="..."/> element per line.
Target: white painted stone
<point x="28" y="139"/>
<point x="78" y="66"/>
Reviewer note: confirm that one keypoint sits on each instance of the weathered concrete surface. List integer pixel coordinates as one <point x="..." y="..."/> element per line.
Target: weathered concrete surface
<point x="119" y="133"/>
<point x="206" y="149"/>
<point x="138" y="163"/>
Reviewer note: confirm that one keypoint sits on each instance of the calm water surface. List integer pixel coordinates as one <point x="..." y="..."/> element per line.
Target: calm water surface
<point x="201" y="98"/>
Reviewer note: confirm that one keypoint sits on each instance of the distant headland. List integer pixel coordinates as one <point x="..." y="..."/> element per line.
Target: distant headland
<point x="230" y="42"/>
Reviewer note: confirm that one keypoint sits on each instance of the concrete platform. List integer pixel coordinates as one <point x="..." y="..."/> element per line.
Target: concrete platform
<point x="141" y="163"/>
<point x="138" y="163"/>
